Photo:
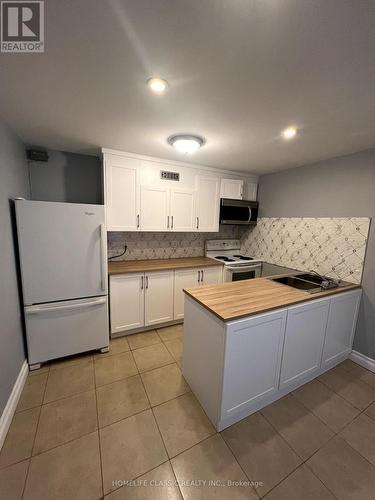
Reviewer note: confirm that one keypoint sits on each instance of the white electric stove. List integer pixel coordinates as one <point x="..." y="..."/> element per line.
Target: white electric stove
<point x="236" y="265"/>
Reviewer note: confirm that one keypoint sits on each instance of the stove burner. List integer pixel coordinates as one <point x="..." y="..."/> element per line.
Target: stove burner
<point x="225" y="259"/>
<point x="243" y="257"/>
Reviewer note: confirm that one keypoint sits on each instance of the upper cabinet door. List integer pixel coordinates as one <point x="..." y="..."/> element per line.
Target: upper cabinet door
<point x="182" y="210"/>
<point x="155" y="209"/>
<point x="251" y="191"/>
<point x="208" y="204"/>
<point x="122" y="193"/>
<point x="231" y="188"/>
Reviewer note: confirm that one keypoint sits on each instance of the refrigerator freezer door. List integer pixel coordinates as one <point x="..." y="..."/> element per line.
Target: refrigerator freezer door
<point x="63" y="250"/>
<point x="65" y="328"/>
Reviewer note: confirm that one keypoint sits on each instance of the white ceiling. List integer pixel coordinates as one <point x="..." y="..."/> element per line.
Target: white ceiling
<point x="239" y="72"/>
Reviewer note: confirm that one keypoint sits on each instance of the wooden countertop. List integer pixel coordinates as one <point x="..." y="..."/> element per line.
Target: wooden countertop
<point x="234" y="300"/>
<point x="141" y="266"/>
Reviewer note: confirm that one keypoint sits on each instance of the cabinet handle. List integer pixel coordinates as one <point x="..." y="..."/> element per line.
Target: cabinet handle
<point x="172" y="222"/>
<point x="146" y="281"/>
<point x="199" y="276"/>
<point x="167" y="221"/>
<point x="138" y="221"/>
<point x="202" y="279"/>
<point x="141" y="282"/>
<point x="197" y="222"/>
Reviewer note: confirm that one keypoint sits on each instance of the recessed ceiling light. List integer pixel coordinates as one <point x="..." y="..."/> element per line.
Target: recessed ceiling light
<point x="157" y="85"/>
<point x="186" y="144"/>
<point x="289" y="133"/>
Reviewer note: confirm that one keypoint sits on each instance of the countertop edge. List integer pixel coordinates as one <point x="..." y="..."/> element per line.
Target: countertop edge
<point x="298" y="300"/>
<point x="163" y="265"/>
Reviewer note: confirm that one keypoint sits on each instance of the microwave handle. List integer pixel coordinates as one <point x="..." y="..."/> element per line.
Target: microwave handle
<point x="249" y="220"/>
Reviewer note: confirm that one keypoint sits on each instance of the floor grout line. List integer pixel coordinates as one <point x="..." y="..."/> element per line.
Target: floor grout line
<point x="36" y="431"/>
<point x="99" y="442"/>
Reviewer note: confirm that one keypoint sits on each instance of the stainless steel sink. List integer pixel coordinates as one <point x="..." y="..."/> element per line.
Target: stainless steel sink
<point x="311" y="283"/>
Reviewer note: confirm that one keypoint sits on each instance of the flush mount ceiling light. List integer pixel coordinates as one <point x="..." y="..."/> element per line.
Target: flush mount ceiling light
<point x="186" y="144"/>
<point x="289" y="133"/>
<point x="157" y="85"/>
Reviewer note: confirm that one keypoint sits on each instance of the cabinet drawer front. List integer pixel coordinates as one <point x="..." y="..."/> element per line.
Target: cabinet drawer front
<point x="254" y="349"/>
<point x="127" y="302"/>
<point x="304" y="340"/>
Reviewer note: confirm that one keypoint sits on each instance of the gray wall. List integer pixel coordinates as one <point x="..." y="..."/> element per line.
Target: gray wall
<point x="13" y="182"/>
<point x="334" y="188"/>
<point x="67" y="177"/>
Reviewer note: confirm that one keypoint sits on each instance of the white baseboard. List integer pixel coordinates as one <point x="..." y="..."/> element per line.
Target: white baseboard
<point x="10" y="407"/>
<point x="363" y="360"/>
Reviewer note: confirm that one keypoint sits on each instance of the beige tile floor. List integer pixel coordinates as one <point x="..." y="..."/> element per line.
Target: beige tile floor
<point x="86" y="425"/>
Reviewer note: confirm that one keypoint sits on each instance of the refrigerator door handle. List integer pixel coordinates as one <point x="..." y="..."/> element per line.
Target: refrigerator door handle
<point x="103" y="237"/>
<point x="46" y="309"/>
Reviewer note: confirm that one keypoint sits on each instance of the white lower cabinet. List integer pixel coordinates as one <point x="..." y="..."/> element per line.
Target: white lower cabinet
<point x="126" y="302"/>
<point x="158" y="297"/>
<point x="189" y="278"/>
<point x="183" y="278"/>
<point x="304" y="341"/>
<point x="341" y="326"/>
<point x="212" y="275"/>
<point x="252" y="361"/>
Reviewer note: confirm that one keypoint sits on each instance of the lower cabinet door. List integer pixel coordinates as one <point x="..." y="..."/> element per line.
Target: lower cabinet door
<point x="184" y="278"/>
<point x="126" y="301"/>
<point x="303" y="344"/>
<point x="158" y="297"/>
<point x="342" y="321"/>
<point x="252" y="361"/>
<point x="211" y="275"/>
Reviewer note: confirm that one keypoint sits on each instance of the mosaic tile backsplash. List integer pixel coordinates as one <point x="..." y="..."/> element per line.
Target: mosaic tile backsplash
<point x="331" y="246"/>
<point x="164" y="245"/>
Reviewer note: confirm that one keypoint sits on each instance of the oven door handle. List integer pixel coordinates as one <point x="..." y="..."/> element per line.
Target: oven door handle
<point x="243" y="269"/>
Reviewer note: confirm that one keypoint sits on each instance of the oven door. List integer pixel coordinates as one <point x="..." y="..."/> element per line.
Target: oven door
<point x="238" y="273"/>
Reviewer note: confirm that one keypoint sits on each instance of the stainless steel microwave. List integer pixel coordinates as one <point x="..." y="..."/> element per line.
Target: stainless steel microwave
<point x="238" y="211"/>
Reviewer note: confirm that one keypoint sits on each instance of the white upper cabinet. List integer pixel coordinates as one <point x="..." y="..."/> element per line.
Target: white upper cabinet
<point x="231" y="188"/>
<point x="122" y="193"/>
<point x="148" y="194"/>
<point x="154" y="209"/>
<point x="182" y="210"/>
<point x="207" y="204"/>
<point x="251" y="191"/>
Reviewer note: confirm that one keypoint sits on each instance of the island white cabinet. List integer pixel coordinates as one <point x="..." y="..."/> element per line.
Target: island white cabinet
<point x="254" y="348"/>
<point x="207" y="204"/>
<point x="246" y="364"/>
<point x="158" y="297"/>
<point x="122" y="193"/>
<point x="304" y="340"/>
<point x="231" y="188"/>
<point x="126" y="302"/>
<point x="342" y="320"/>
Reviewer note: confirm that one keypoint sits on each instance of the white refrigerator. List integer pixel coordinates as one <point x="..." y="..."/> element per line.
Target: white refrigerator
<point x="63" y="260"/>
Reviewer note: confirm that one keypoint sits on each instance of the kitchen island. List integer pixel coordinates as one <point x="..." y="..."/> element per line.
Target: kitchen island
<point x="249" y="343"/>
